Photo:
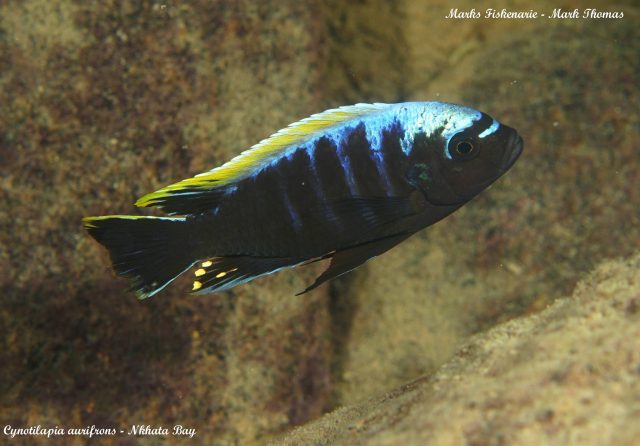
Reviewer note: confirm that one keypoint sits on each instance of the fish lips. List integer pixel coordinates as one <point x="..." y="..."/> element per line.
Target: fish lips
<point x="511" y="156"/>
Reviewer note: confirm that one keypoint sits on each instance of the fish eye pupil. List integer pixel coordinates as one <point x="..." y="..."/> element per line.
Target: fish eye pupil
<point x="464" y="148"/>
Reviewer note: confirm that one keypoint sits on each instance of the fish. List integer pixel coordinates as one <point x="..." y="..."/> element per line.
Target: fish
<point x="344" y="185"/>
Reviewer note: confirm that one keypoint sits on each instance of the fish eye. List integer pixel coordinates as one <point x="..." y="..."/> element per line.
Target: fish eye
<point x="464" y="148"/>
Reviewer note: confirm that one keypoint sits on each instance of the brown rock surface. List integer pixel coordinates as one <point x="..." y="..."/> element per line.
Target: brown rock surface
<point x="102" y="102"/>
<point x="569" y="375"/>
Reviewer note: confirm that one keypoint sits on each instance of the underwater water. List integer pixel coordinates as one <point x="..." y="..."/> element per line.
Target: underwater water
<point x="102" y="102"/>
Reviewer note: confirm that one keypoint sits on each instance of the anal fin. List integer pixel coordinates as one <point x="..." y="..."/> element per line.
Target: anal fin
<point x="222" y="273"/>
<point x="345" y="260"/>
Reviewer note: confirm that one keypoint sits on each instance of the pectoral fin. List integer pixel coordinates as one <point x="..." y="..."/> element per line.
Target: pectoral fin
<point x="364" y="217"/>
<point x="347" y="259"/>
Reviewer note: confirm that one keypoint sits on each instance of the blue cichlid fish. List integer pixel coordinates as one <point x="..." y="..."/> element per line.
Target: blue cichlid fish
<point x="347" y="184"/>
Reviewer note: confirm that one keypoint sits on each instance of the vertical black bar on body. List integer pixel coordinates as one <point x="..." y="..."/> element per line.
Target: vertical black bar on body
<point x="395" y="160"/>
<point x="329" y="170"/>
<point x="367" y="178"/>
<point x="303" y="201"/>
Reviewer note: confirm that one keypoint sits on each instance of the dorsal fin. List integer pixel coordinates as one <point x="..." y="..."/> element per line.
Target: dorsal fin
<point x="256" y="157"/>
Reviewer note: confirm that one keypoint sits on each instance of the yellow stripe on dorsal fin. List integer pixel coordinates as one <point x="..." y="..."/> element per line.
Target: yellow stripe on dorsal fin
<point x="248" y="161"/>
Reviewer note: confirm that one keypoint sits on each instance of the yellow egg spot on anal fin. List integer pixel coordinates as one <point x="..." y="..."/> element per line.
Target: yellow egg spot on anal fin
<point x="220" y="275"/>
<point x="200" y="272"/>
<point x="207" y="264"/>
<point x="196" y="285"/>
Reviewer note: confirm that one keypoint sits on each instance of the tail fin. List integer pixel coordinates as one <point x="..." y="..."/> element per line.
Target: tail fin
<point x="150" y="251"/>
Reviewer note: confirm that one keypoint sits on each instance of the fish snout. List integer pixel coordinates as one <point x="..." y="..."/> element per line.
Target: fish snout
<point x="513" y="151"/>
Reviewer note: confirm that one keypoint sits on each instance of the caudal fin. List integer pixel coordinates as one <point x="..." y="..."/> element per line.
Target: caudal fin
<point x="150" y="251"/>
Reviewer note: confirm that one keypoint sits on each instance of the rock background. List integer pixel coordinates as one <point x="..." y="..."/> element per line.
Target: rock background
<point x="105" y="101"/>
<point x="568" y="375"/>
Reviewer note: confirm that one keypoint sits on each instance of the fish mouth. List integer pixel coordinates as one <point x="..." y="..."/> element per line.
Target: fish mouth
<point x="511" y="156"/>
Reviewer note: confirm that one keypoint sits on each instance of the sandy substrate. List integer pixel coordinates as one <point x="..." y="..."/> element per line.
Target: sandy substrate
<point x="569" y="375"/>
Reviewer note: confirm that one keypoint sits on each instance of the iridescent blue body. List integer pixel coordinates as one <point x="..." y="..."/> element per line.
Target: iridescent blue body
<point x="346" y="184"/>
<point x="296" y="200"/>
